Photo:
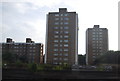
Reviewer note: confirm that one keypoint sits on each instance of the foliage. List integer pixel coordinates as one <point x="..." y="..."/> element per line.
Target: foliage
<point x="100" y="68"/>
<point x="47" y="67"/>
<point x="32" y="67"/>
<point x="57" y="67"/>
<point x="19" y="63"/>
<point x="110" y="57"/>
<point x="9" y="57"/>
<point x="81" y="59"/>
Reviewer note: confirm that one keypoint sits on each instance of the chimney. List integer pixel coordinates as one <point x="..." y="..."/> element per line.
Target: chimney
<point x="62" y="9"/>
<point x="28" y="40"/>
<point x="96" y="26"/>
<point x="9" y="40"/>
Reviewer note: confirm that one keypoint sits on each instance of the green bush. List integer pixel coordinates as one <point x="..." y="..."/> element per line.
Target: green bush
<point x="18" y="64"/>
<point x="32" y="67"/>
<point x="57" y="68"/>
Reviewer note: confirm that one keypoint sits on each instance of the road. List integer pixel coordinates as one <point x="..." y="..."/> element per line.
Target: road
<point x="22" y="74"/>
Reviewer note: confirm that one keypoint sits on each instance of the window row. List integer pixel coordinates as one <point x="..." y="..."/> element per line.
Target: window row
<point x="97" y="32"/>
<point x="65" y="59"/>
<point x="95" y="38"/>
<point x="57" y="32"/>
<point x="97" y="50"/>
<point x="61" y="14"/>
<point x="61" y="27"/>
<point x="60" y="40"/>
<point x="60" y="49"/>
<point x="65" y="45"/>
<point x="56" y="54"/>
<point x="97" y="54"/>
<point x="97" y="35"/>
<point x="57" y="23"/>
<point x="66" y="18"/>
<point x="97" y="41"/>
<point x="96" y="45"/>
<point x="57" y="36"/>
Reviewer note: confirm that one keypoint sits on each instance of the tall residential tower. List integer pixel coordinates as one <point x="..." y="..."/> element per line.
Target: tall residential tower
<point x="96" y="43"/>
<point x="62" y="37"/>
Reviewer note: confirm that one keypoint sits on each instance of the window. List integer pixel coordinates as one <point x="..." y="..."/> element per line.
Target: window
<point x="56" y="18"/>
<point x="65" y="45"/>
<point x="93" y="32"/>
<point x="66" y="18"/>
<point x="55" y="63"/>
<point x="56" y="14"/>
<point x="96" y="38"/>
<point x="60" y="54"/>
<point x="100" y="41"/>
<point x="66" y="32"/>
<point x="66" y="36"/>
<point x="56" y="27"/>
<point x="61" y="31"/>
<point x="61" y="41"/>
<point x="56" y="32"/>
<point x="65" y="54"/>
<point x="100" y="32"/>
<point x="61" y="36"/>
<point x="65" y="22"/>
<point x="60" y="63"/>
<point x="56" y="23"/>
<point x="55" y="49"/>
<point x="55" y="58"/>
<point x="96" y="35"/>
<point x="100" y="38"/>
<point x="60" y="45"/>
<point x="66" y="27"/>
<point x="93" y="38"/>
<point x="65" y="59"/>
<point x="60" y="49"/>
<point x="100" y="29"/>
<point x="61" y="18"/>
<point x="100" y="35"/>
<point x="55" y="40"/>
<point x="55" y="45"/>
<point x="33" y="50"/>
<point x="93" y="41"/>
<point x="66" y="14"/>
<point x="34" y="47"/>
<point x="56" y="54"/>
<point x="61" y="14"/>
<point x="94" y="50"/>
<point x="65" y="40"/>
<point x="56" y="36"/>
<point x="100" y="50"/>
<point x="66" y="49"/>
<point x="94" y="57"/>
<point x="60" y="58"/>
<point x="61" y="27"/>
<point x="30" y="47"/>
<point x="93" y="35"/>
<point x="96" y="41"/>
<point x="100" y="44"/>
<point x="97" y="32"/>
<point x="61" y="23"/>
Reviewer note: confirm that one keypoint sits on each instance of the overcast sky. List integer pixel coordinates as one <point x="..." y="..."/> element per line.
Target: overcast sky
<point x="27" y="18"/>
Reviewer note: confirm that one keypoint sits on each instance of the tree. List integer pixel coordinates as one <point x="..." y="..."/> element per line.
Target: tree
<point x="9" y="57"/>
<point x="32" y="67"/>
<point x="81" y="59"/>
<point x="110" y="57"/>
